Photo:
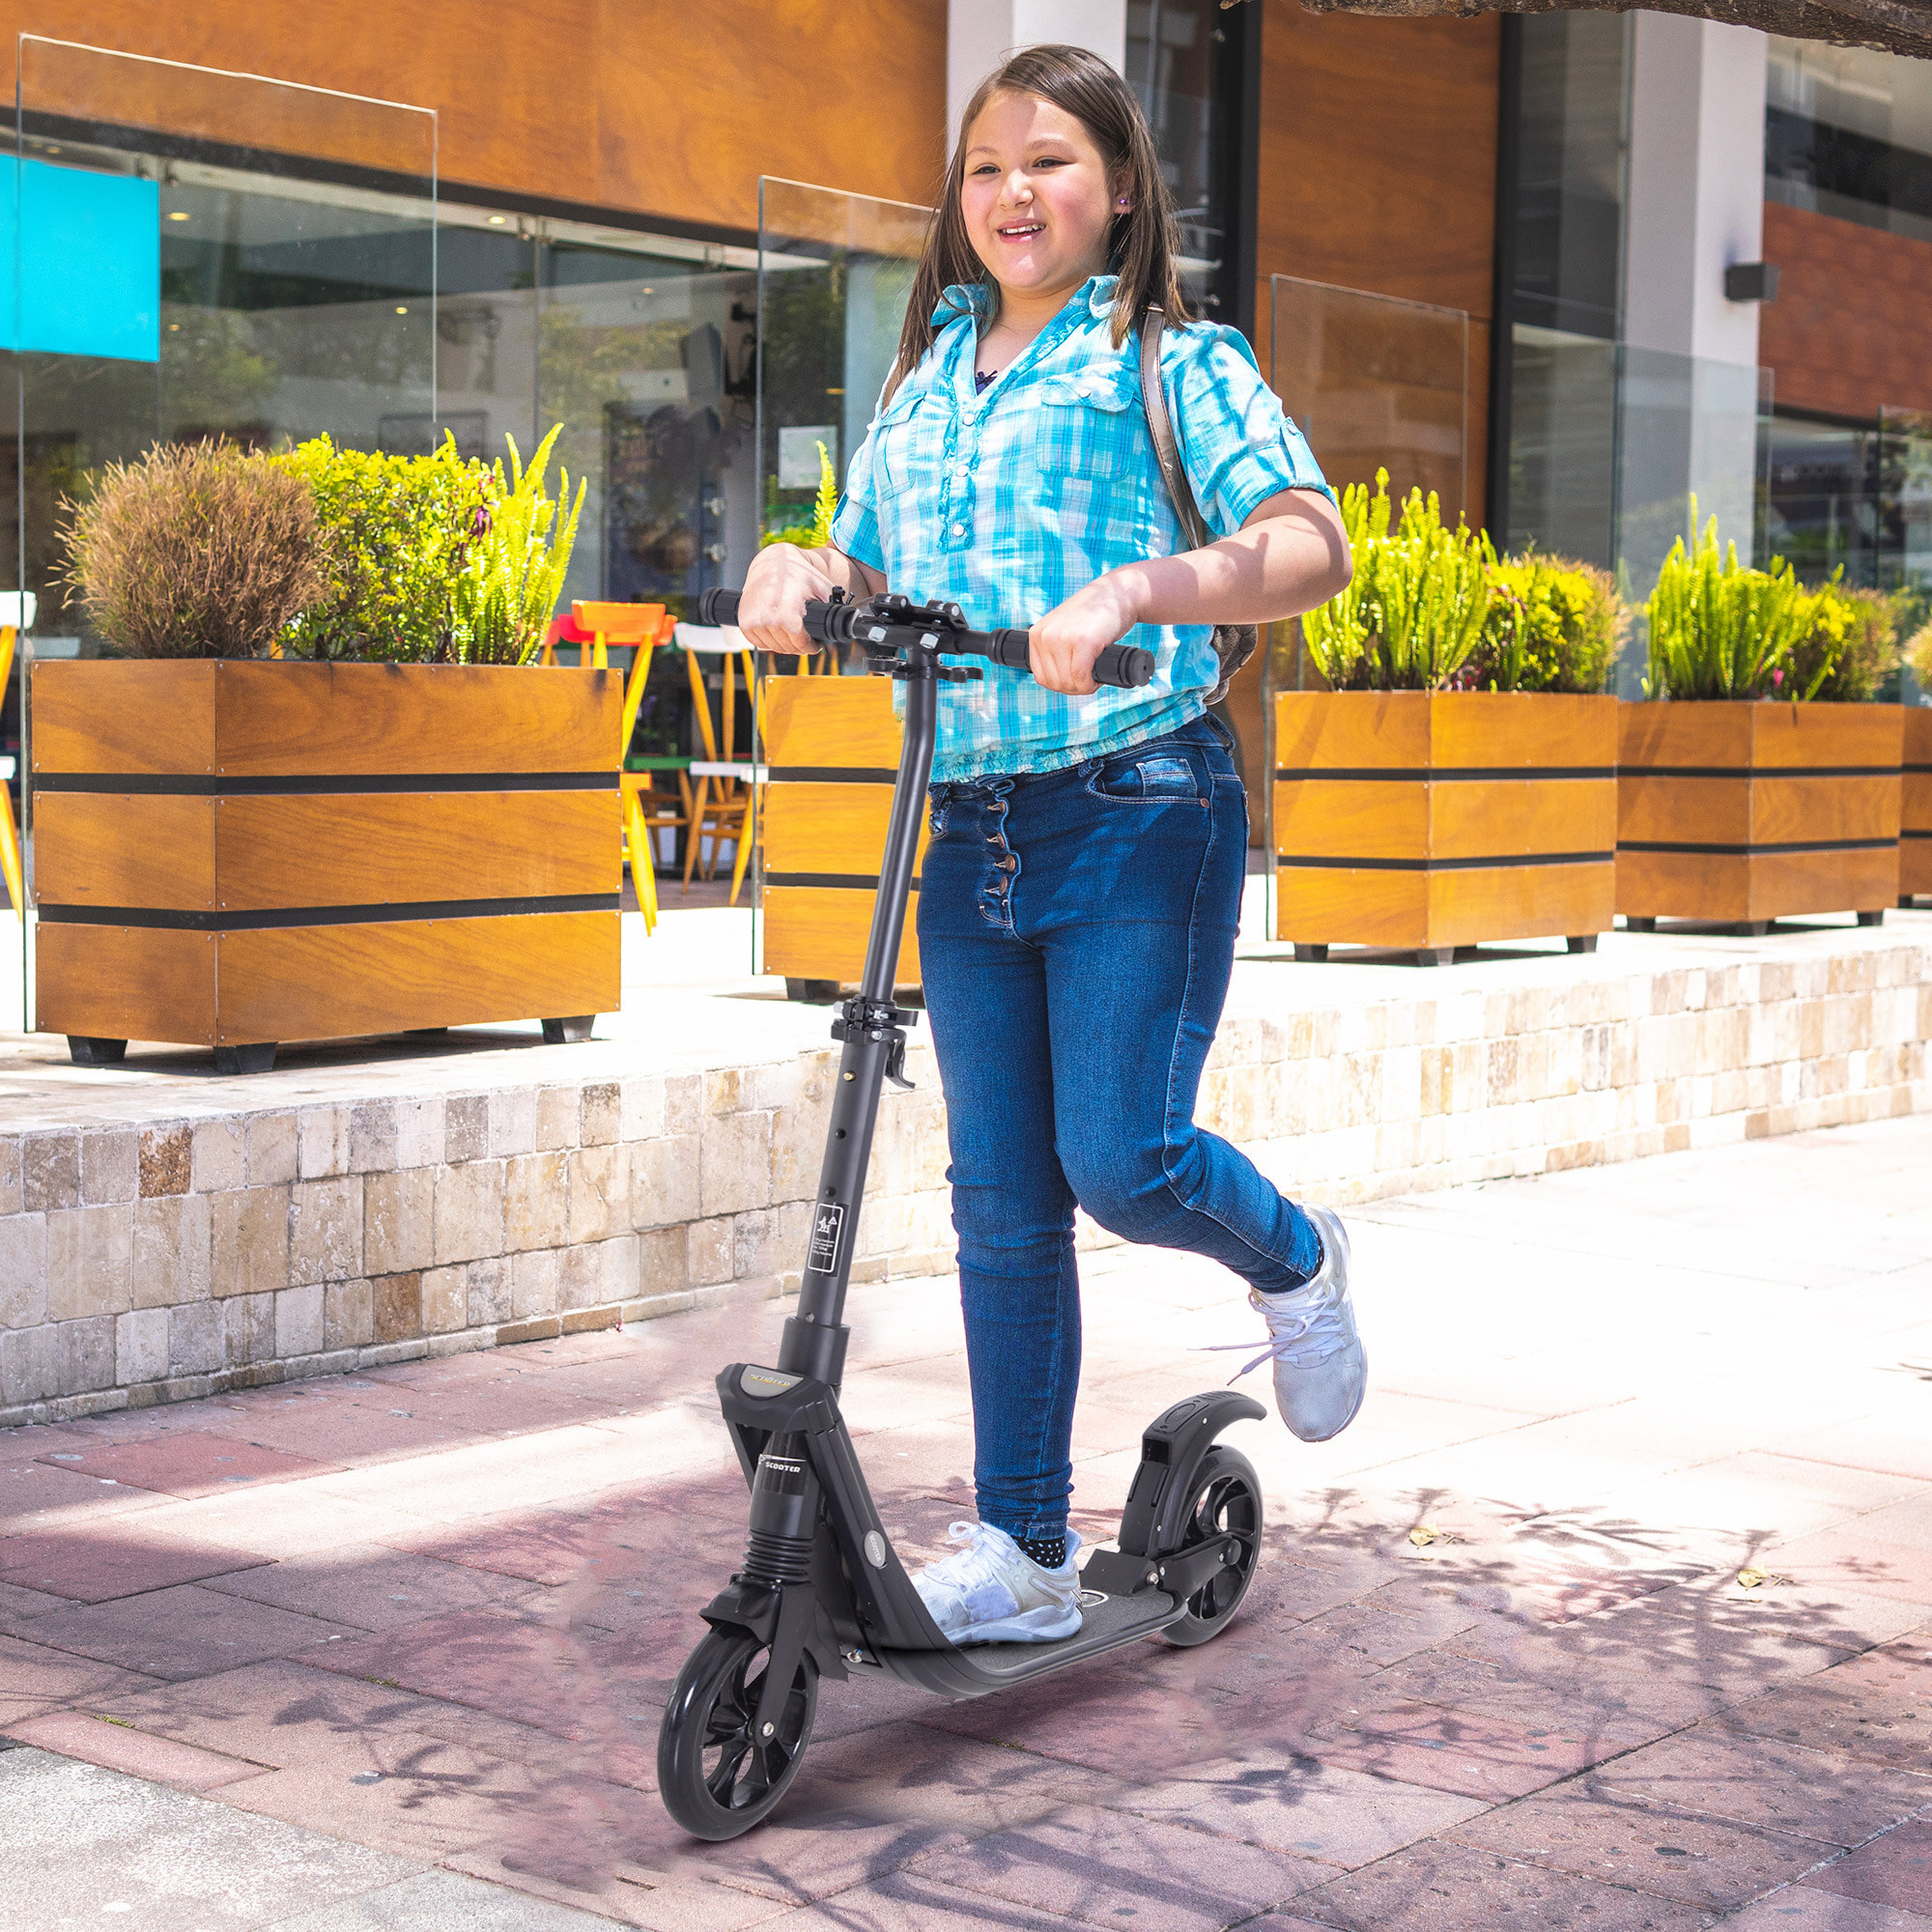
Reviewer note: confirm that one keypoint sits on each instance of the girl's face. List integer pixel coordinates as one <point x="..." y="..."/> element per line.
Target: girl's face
<point x="1035" y="197"/>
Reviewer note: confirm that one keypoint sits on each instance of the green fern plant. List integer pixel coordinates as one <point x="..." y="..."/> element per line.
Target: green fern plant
<point x="513" y="574"/>
<point x="1722" y="629"/>
<point x="1416" y="606"/>
<point x="817" y="533"/>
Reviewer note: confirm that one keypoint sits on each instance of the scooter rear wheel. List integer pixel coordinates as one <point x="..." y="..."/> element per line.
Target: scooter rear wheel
<point x="1226" y="1507"/>
<point x="715" y="1778"/>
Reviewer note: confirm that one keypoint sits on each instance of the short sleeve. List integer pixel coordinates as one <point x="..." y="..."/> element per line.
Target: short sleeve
<point x="855" y="524"/>
<point x="1237" y="447"/>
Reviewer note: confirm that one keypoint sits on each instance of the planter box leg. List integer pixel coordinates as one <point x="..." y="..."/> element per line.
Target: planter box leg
<point x="1310" y="954"/>
<point x="1751" y="928"/>
<point x="1905" y="901"/>
<point x="1582" y="942"/>
<point x="257" y="1057"/>
<point x="813" y="992"/>
<point x="1434" y="955"/>
<point x="1639" y="926"/>
<point x="87" y="1051"/>
<point x="1872" y="917"/>
<point x="576" y="1029"/>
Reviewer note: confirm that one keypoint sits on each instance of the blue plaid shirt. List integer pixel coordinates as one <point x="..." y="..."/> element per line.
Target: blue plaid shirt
<point x="1008" y="502"/>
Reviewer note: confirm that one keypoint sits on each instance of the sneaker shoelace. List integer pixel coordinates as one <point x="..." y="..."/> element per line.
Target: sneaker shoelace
<point x="1302" y="1337"/>
<point x="973" y="1565"/>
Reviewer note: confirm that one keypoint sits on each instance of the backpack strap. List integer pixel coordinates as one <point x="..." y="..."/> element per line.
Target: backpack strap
<point x="1160" y="426"/>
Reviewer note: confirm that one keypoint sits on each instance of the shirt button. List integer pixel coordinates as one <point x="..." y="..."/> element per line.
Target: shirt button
<point x="958" y="529"/>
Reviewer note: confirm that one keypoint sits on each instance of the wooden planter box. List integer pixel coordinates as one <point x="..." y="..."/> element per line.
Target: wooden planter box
<point x="233" y="854"/>
<point x="1434" y="819"/>
<point x="1745" y="812"/>
<point x="831" y="751"/>
<point x="1914" y="831"/>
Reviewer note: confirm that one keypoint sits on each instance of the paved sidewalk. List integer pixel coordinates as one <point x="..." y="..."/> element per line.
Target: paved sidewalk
<point x="389" y="1649"/>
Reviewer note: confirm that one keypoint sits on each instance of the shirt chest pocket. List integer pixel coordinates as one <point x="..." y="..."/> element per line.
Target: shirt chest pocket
<point x="1089" y="425"/>
<point x="909" y="441"/>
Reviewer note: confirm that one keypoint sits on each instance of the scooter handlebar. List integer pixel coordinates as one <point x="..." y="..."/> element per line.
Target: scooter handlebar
<point x="1125" y="666"/>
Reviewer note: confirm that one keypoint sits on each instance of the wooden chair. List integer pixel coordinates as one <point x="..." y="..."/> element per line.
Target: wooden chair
<point x="10" y="833"/>
<point x="721" y="796"/>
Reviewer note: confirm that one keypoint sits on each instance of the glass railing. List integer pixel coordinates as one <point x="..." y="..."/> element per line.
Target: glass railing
<point x="261" y="266"/>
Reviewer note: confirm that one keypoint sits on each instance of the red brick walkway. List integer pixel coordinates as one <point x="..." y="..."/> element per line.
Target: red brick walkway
<point x="1497" y="1668"/>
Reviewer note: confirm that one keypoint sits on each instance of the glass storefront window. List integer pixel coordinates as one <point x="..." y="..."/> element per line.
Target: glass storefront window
<point x="1848" y="131"/>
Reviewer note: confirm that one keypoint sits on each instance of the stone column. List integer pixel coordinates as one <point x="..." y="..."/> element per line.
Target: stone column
<point x="1695" y="206"/>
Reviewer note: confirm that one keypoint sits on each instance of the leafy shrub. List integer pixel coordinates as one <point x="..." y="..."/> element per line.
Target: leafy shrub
<point x="1851" y="646"/>
<point x="1553" y="625"/>
<point x="197" y="550"/>
<point x="395" y="533"/>
<point x="1416" y="606"/>
<point x="1719" y="629"/>
<point x="513" y="572"/>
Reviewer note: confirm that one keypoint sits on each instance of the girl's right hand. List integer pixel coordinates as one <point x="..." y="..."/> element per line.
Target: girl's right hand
<point x="782" y="582"/>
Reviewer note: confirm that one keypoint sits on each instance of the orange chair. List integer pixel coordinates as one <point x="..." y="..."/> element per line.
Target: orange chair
<point x="10" y="833"/>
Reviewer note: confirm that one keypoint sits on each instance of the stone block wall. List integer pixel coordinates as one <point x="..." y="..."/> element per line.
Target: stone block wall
<point x="142" y="1264"/>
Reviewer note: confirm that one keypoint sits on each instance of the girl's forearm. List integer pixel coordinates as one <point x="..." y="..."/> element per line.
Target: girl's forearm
<point x="1277" y="565"/>
<point x="853" y="578"/>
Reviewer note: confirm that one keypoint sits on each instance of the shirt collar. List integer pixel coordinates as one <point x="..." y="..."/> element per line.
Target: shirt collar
<point x="1096" y="295"/>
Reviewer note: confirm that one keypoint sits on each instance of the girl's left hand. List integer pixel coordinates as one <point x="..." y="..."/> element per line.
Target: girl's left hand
<point x="1066" y="640"/>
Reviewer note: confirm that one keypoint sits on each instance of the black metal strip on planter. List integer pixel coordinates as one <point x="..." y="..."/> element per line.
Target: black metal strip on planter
<point x="1922" y="770"/>
<point x="1916" y="831"/>
<point x="1446" y="864"/>
<point x="1448" y="774"/>
<point x="1763" y="771"/>
<point x="232" y="921"/>
<point x="1755" y="851"/>
<point x="832" y="775"/>
<point x="174" y="784"/>
<point x="859" y="882"/>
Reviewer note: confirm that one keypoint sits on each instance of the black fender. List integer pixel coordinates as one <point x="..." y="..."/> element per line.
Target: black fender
<point x="1172" y="1448"/>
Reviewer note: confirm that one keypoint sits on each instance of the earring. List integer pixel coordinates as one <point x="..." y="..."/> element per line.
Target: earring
<point x="1124" y="200"/>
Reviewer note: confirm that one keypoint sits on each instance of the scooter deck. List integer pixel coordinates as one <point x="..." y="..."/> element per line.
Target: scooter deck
<point x="972" y="1670"/>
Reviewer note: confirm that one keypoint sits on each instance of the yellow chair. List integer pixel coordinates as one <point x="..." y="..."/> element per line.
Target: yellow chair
<point x="10" y="833"/>
<point x="594" y="627"/>
<point x="721" y="800"/>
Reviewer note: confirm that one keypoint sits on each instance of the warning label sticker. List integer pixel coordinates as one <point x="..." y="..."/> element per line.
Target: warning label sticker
<point x="828" y="1223"/>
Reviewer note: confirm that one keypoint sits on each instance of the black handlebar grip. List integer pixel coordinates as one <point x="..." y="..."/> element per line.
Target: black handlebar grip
<point x="717" y="606"/>
<point x="1010" y="648"/>
<point x="1126" y="665"/>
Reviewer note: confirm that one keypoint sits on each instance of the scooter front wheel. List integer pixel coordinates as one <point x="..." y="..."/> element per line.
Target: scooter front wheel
<point x="715" y="1778"/>
<point x="1226" y="1507"/>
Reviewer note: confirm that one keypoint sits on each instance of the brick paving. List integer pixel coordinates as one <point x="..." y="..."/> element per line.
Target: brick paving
<point x="389" y="1648"/>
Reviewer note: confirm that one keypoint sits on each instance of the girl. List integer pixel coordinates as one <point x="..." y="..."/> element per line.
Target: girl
<point x="1081" y="892"/>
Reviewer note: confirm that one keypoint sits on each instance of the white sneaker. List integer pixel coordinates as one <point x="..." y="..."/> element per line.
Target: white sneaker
<point x="1321" y="1368"/>
<point x="990" y="1591"/>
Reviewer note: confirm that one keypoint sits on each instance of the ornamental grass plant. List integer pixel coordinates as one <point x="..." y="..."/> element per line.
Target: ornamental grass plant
<point x="1720" y="628"/>
<point x="1418" y="600"/>
<point x="196" y="551"/>
<point x="513" y="571"/>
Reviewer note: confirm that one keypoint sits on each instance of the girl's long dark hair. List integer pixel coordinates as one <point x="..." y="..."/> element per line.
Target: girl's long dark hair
<point x="1142" y="243"/>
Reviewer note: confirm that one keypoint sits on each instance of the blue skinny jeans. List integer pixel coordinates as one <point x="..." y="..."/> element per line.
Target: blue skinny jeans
<point x="1076" y="932"/>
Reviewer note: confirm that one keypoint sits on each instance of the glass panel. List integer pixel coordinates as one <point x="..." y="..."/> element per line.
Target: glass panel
<point x="1170" y="65"/>
<point x="1374" y="383"/>
<point x="1563" y="445"/>
<point x="833" y="273"/>
<point x="263" y="270"/>
<point x="1848" y="131"/>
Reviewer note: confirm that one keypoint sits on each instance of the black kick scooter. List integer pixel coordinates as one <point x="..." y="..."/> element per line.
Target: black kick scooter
<point x="820" y="1593"/>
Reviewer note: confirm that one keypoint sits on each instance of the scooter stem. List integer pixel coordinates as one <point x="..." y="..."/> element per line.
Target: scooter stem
<point x="814" y="1338"/>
